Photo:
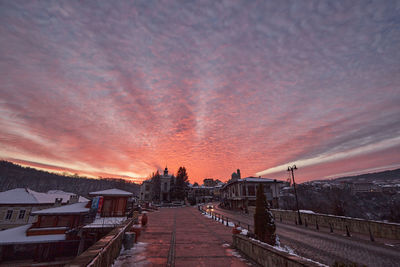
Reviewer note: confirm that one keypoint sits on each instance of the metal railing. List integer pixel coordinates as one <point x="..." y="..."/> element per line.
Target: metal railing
<point x="226" y="219"/>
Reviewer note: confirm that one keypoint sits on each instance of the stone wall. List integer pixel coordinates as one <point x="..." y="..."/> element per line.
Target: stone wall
<point x="266" y="255"/>
<point x="104" y="251"/>
<point x="338" y="223"/>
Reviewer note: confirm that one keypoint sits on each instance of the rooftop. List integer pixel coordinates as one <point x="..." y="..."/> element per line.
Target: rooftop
<point x="111" y="192"/>
<point x="76" y="208"/>
<point x="28" y="196"/>
<point x="17" y="235"/>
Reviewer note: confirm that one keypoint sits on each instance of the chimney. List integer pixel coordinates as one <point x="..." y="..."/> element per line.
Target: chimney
<point x="73" y="199"/>
<point x="58" y="202"/>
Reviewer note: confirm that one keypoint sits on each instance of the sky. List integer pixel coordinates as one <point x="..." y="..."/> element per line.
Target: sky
<point x="123" y="88"/>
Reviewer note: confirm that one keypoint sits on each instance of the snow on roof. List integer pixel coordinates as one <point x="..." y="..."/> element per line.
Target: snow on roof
<point x="17" y="196"/>
<point x="257" y="179"/>
<point x="66" y="209"/>
<point x="17" y="235"/>
<point x="61" y="193"/>
<point x="28" y="196"/>
<point x="105" y="222"/>
<point x="111" y="192"/>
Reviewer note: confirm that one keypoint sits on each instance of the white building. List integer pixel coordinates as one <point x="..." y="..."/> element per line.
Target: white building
<point x="241" y="193"/>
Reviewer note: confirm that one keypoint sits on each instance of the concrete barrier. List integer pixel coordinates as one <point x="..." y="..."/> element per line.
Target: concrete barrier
<point x="104" y="251"/>
<point x="375" y="229"/>
<point x="268" y="256"/>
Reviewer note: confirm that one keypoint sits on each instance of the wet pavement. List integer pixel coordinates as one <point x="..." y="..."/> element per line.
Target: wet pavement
<point x="182" y="237"/>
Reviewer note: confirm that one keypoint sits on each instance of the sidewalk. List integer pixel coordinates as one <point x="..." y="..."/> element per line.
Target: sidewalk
<point x="182" y="237"/>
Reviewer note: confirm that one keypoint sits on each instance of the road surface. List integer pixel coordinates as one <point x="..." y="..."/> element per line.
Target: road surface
<point x="326" y="247"/>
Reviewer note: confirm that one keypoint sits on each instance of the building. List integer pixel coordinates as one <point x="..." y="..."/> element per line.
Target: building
<point x="53" y="236"/>
<point x="241" y="193"/>
<point x="62" y="232"/>
<point x="165" y="192"/>
<point x="16" y="205"/>
<point x="147" y="188"/>
<point x="112" y="202"/>
<point x="201" y="194"/>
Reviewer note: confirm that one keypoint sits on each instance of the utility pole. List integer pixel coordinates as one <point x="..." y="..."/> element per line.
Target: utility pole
<point x="291" y="169"/>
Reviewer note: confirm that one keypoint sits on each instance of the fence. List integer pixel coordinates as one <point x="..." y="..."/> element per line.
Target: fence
<point x="104" y="251"/>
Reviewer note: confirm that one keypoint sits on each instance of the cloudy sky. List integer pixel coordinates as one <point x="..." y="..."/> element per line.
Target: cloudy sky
<point x="122" y="88"/>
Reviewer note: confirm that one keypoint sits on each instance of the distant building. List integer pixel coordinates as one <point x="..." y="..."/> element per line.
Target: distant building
<point x="201" y="194"/>
<point x="165" y="192"/>
<point x="147" y="190"/>
<point x="241" y="193"/>
<point x="16" y="205"/>
<point x="209" y="182"/>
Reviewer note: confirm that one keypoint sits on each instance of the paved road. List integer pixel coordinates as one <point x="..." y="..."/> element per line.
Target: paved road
<point x="182" y="237"/>
<point x="328" y="248"/>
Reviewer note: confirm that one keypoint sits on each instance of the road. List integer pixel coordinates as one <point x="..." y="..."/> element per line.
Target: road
<point x="326" y="247"/>
<point x="182" y="237"/>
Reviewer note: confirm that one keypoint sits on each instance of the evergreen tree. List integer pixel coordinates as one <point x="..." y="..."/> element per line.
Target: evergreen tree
<point x="264" y="224"/>
<point x="181" y="183"/>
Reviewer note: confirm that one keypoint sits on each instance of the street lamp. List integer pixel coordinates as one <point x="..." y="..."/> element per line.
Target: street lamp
<point x="291" y="169"/>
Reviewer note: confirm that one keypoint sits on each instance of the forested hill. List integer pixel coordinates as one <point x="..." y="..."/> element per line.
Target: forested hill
<point x="369" y="177"/>
<point x="16" y="176"/>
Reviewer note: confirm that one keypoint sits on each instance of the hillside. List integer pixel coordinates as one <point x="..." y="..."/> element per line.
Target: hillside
<point x="369" y="177"/>
<point x="14" y="176"/>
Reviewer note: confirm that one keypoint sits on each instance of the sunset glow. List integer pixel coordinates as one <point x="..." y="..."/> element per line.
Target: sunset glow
<point x="123" y="88"/>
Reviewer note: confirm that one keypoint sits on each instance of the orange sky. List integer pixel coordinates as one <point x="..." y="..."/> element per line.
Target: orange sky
<point x="212" y="86"/>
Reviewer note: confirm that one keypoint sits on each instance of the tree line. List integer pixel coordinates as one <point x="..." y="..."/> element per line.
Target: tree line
<point x="15" y="176"/>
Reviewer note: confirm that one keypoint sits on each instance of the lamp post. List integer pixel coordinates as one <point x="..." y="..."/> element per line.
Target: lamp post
<point x="291" y="169"/>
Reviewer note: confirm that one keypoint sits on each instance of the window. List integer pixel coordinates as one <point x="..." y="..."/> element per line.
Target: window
<point x="21" y="214"/>
<point x="9" y="214"/>
<point x="165" y="186"/>
<point x="251" y="190"/>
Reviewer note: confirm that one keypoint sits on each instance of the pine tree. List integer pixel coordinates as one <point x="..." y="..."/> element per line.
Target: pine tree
<point x="181" y="183"/>
<point x="264" y="224"/>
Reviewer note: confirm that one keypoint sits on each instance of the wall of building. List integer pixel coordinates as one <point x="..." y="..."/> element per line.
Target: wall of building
<point x="267" y="256"/>
<point x="339" y="223"/>
<point x="14" y="221"/>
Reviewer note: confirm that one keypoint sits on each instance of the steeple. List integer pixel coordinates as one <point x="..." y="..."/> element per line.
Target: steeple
<point x="166" y="171"/>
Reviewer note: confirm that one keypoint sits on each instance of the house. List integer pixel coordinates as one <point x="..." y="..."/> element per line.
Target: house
<point x="112" y="202"/>
<point x="53" y="235"/>
<point x="16" y="205"/>
<point x="241" y="193"/>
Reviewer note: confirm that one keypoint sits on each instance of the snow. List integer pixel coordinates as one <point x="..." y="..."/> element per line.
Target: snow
<point x="17" y="196"/>
<point x="133" y="256"/>
<point x="17" y="235"/>
<point x="254" y="179"/>
<point x="79" y="207"/>
<point x="111" y="192"/>
<point x="66" y="195"/>
<point x="307" y="211"/>
<point x="105" y="222"/>
<point x="28" y="196"/>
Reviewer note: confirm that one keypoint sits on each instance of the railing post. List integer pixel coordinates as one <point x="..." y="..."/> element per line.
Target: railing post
<point x="371" y="237"/>
<point x="347" y="231"/>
